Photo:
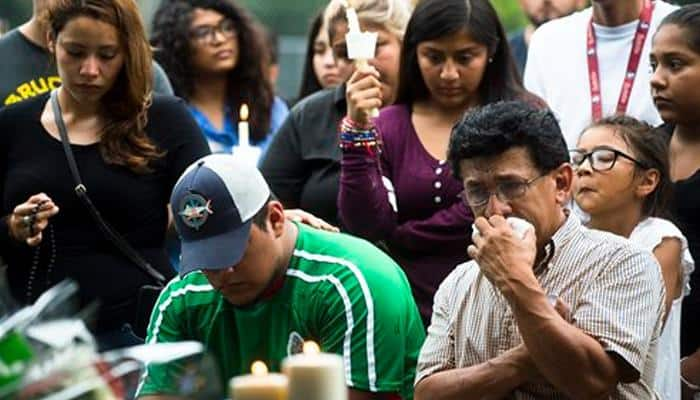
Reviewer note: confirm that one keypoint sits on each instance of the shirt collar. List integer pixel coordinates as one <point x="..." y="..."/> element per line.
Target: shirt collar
<point x="559" y="240"/>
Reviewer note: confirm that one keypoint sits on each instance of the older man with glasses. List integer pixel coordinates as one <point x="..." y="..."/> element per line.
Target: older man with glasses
<point x="561" y="311"/>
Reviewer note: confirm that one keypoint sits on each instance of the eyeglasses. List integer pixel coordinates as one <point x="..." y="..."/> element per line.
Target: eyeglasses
<point x="206" y="33"/>
<point x="600" y="159"/>
<point x="479" y="196"/>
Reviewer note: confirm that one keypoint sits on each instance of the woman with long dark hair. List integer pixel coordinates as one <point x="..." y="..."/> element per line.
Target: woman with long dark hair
<point x="675" y="59"/>
<point x="395" y="185"/>
<point x="129" y="146"/>
<point x="216" y="59"/>
<point x="320" y="69"/>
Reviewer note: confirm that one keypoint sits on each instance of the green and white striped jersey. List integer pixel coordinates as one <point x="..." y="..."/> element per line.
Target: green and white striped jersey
<point x="339" y="291"/>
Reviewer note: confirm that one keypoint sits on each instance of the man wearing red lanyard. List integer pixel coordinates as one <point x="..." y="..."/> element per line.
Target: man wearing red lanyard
<point x="595" y="63"/>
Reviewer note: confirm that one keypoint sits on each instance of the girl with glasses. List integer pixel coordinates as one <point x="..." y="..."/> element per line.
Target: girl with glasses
<point x="622" y="182"/>
<point x="214" y="54"/>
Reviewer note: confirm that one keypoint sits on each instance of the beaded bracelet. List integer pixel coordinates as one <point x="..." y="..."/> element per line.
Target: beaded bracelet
<point x="352" y="124"/>
<point x="354" y="135"/>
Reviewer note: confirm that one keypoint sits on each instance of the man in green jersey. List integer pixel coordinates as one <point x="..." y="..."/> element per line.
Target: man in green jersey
<point x="254" y="285"/>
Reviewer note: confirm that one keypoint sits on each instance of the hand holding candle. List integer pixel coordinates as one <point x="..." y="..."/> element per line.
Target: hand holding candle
<point x="314" y="375"/>
<point x="259" y="385"/>
<point x="361" y="45"/>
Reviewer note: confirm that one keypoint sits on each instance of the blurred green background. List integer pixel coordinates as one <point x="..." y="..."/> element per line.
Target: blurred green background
<point x="290" y="20"/>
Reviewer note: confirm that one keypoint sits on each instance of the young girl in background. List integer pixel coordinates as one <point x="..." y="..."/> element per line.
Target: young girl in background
<point x="675" y="59"/>
<point x="320" y="69"/>
<point x="622" y="183"/>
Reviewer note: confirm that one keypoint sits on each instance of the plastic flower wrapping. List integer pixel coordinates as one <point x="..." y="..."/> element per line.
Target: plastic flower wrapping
<point x="47" y="352"/>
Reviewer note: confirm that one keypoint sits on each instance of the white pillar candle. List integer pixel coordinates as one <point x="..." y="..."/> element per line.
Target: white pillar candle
<point x="259" y="385"/>
<point x="314" y="375"/>
<point x="243" y="130"/>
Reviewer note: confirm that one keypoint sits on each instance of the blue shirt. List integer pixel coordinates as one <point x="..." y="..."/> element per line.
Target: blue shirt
<point x="223" y="141"/>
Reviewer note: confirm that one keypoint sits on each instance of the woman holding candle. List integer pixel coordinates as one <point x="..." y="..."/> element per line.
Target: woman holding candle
<point x="303" y="162"/>
<point x="214" y="55"/>
<point x="455" y="56"/>
<point x="129" y="146"/>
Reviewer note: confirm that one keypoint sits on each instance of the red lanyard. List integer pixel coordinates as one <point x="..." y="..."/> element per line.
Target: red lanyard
<point x="635" y="55"/>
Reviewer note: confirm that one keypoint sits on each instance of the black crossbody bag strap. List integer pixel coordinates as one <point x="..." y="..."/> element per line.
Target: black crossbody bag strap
<point x="81" y="191"/>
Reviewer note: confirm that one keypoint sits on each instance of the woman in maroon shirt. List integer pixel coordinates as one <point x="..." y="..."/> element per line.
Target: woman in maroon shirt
<point x="395" y="186"/>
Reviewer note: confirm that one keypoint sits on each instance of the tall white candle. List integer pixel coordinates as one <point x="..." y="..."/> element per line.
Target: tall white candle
<point x="361" y="45"/>
<point x="243" y="132"/>
<point x="353" y="21"/>
<point x="314" y="375"/>
<point x="259" y="385"/>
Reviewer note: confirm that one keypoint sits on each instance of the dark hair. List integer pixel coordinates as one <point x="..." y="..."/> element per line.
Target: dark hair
<point x="309" y="80"/>
<point x="434" y="19"/>
<point x="247" y="82"/>
<point x="650" y="148"/>
<point x="687" y="18"/>
<point x="497" y="127"/>
<point x="123" y="140"/>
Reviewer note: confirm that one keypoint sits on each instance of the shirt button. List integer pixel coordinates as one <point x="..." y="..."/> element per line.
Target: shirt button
<point x="438" y="199"/>
<point x="438" y="184"/>
<point x="442" y="162"/>
<point x="438" y="171"/>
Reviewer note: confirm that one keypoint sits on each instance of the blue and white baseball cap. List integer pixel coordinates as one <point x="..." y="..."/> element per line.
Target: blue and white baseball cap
<point x="213" y="204"/>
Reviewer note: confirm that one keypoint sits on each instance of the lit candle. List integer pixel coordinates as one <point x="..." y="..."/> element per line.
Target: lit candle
<point x="314" y="375"/>
<point x="243" y="132"/>
<point x="259" y="385"/>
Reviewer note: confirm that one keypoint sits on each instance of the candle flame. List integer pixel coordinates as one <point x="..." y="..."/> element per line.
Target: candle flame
<point x="311" y="347"/>
<point x="243" y="113"/>
<point x="258" y="368"/>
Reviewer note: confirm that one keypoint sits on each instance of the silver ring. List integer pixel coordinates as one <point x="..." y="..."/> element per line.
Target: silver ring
<point x="27" y="220"/>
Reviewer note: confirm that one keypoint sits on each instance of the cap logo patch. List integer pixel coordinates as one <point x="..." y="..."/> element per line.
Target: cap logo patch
<point x="195" y="210"/>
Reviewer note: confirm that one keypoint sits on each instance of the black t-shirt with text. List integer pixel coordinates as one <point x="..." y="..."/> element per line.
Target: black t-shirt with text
<point x="27" y="70"/>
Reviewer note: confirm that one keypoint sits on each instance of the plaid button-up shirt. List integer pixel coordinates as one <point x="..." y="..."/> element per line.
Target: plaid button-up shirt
<point x="615" y="291"/>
